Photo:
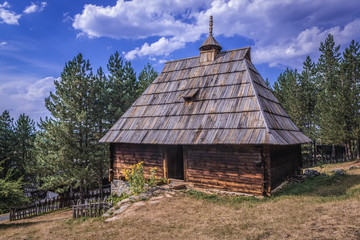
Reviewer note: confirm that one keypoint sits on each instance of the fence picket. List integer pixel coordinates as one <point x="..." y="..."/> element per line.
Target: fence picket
<point x="39" y="207"/>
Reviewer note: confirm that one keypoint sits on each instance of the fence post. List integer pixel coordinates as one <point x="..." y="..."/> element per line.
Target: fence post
<point x="11" y="214"/>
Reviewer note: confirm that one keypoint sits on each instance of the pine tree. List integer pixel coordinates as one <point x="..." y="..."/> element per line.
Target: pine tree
<point x="25" y="136"/>
<point x="308" y="98"/>
<point x="7" y="143"/>
<point x="116" y="88"/>
<point x="101" y="124"/>
<point x="11" y="191"/>
<point x="268" y="83"/>
<point x="146" y="77"/>
<point x="327" y="106"/>
<point x="286" y="90"/>
<point x="66" y="142"/>
<point x="122" y="87"/>
<point x="349" y="100"/>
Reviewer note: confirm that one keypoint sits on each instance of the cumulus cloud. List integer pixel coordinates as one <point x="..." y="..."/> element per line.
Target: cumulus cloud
<point x="10" y="17"/>
<point x="306" y="43"/>
<point x="35" y="7"/>
<point x="162" y="47"/>
<point x="26" y="97"/>
<point x="281" y="30"/>
<point x="7" y="16"/>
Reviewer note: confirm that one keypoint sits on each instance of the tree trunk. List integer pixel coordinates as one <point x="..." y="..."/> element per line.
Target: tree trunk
<point x="333" y="153"/>
<point x="358" y="149"/>
<point x="101" y="190"/>
<point x="348" y="151"/>
<point x="353" y="150"/>
<point x="314" y="153"/>
<point x="82" y="191"/>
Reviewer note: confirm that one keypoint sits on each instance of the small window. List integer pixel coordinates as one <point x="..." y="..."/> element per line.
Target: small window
<point x="190" y="95"/>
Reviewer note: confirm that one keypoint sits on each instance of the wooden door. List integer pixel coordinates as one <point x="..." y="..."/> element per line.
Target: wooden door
<point x="175" y="162"/>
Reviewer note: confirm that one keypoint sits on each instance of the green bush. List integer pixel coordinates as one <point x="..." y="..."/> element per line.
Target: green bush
<point x="115" y="198"/>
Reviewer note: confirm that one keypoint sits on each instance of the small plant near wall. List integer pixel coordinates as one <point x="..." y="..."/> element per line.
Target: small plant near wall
<point x="135" y="176"/>
<point x="115" y="198"/>
<point x="152" y="181"/>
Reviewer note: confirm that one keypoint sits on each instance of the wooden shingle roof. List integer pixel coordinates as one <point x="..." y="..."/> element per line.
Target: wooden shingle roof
<point x="225" y="101"/>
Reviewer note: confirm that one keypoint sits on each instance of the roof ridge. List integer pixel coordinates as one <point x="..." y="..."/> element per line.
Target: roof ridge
<point x="257" y="97"/>
<point x="232" y="50"/>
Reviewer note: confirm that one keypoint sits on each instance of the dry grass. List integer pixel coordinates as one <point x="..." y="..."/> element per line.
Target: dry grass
<point x="316" y="209"/>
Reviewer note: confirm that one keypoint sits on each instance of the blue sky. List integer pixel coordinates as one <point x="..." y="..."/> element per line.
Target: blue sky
<point x="38" y="37"/>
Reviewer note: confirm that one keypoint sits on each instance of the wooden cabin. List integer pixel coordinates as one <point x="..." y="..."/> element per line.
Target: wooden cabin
<point x="210" y="120"/>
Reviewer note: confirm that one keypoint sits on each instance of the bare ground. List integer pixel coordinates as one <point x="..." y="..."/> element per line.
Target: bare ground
<point x="318" y="214"/>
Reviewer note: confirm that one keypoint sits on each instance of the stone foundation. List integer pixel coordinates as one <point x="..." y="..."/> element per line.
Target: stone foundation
<point x="118" y="187"/>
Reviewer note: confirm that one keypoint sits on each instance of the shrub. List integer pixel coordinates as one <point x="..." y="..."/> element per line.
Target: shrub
<point x="135" y="176"/>
<point x="115" y="198"/>
<point x="152" y="181"/>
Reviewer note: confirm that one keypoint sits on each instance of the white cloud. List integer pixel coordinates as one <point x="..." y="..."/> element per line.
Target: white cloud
<point x="282" y="31"/>
<point x="3" y="43"/>
<point x="67" y="17"/>
<point x="7" y="16"/>
<point x="26" y="97"/>
<point x="306" y="43"/>
<point x="5" y="5"/>
<point x="35" y="7"/>
<point x="162" y="47"/>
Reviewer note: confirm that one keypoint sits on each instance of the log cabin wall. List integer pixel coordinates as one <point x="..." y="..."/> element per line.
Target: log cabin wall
<point x="125" y="155"/>
<point x="284" y="162"/>
<point x="225" y="167"/>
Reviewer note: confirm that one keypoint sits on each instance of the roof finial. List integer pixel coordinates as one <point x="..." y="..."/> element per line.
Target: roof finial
<point x="211" y="25"/>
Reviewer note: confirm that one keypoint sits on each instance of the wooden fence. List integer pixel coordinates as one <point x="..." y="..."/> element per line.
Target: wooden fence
<point x="47" y="205"/>
<point x="92" y="209"/>
<point x="324" y="154"/>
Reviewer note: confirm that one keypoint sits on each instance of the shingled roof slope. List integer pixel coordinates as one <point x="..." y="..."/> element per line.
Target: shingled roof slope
<point x="232" y="105"/>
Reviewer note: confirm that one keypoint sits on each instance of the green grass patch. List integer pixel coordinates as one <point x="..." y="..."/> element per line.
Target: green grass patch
<point x="116" y="199"/>
<point x="326" y="187"/>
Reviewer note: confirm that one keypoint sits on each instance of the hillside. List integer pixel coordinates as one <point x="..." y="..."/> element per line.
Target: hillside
<point x="324" y="207"/>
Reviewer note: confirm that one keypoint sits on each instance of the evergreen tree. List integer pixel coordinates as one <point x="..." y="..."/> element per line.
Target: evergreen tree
<point x="53" y="167"/>
<point x="116" y="89"/>
<point x="101" y="124"/>
<point x="327" y="104"/>
<point x="66" y="142"/>
<point x="286" y="90"/>
<point x="25" y="136"/>
<point x="349" y="99"/>
<point x="11" y="191"/>
<point x="146" y="77"/>
<point x="308" y="98"/>
<point x="268" y="83"/>
<point x="7" y="143"/>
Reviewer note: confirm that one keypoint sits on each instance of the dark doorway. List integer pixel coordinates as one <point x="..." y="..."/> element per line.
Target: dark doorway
<point x="175" y="162"/>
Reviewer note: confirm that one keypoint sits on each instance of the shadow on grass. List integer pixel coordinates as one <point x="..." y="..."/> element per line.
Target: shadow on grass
<point x="236" y="202"/>
<point x="24" y="224"/>
<point x="327" y="186"/>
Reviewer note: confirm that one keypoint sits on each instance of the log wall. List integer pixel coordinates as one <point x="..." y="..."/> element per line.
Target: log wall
<point x="284" y="162"/>
<point x="229" y="168"/>
<point x="125" y="155"/>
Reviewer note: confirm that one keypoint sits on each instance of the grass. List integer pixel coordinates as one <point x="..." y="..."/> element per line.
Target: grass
<point x="325" y="207"/>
